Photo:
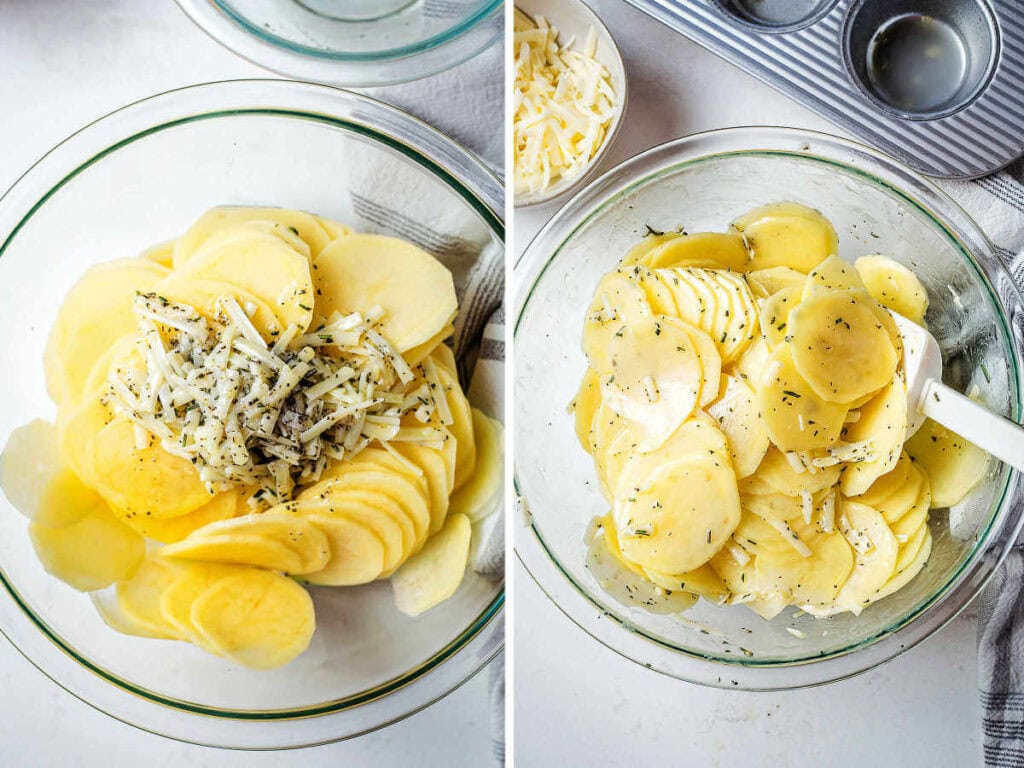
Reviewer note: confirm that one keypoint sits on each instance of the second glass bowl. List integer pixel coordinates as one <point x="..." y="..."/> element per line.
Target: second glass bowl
<point x="701" y="183"/>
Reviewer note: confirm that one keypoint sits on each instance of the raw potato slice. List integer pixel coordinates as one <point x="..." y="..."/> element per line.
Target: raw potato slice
<point x="769" y="606"/>
<point x="778" y="473"/>
<point x="96" y="312"/>
<point x="889" y="483"/>
<point x="743" y="326"/>
<point x="177" y="599"/>
<point x="659" y="297"/>
<point x="461" y="427"/>
<point x="774" y="315"/>
<point x="656" y="377"/>
<point x="584" y="406"/>
<point x="774" y="505"/>
<point x="77" y="432"/>
<point x="334" y="229"/>
<point x="883" y="423"/>
<point x="36" y="480"/>
<point x="910" y="548"/>
<point x="774" y="279"/>
<point x="435" y="469"/>
<point x="113" y="616"/>
<point x="795" y="417"/>
<point x="953" y="465"/>
<point x="121" y="351"/>
<point x="367" y="506"/>
<point x="703" y="581"/>
<point x="416" y="291"/>
<point x="787" y="235"/>
<point x="149" y="482"/>
<point x="139" y="597"/>
<point x="875" y="557"/>
<point x="223" y="506"/>
<point x="259" y="619"/>
<point x="204" y="295"/>
<point x="403" y="484"/>
<point x="479" y="497"/>
<point x="412" y="499"/>
<point x="434" y="574"/>
<point x="691" y="495"/>
<point x="90" y="554"/>
<point x="839" y="347"/>
<point x="708" y="250"/>
<point x="307" y="227"/>
<point x="638" y="254"/>
<point x="162" y="254"/>
<point x="833" y="273"/>
<point x="739" y="417"/>
<point x="893" y="286"/>
<point x="907" y="525"/>
<point x="276" y="539"/>
<point x="444" y="356"/>
<point x="417" y="355"/>
<point x="267" y="268"/>
<point x="813" y="580"/>
<point x="752" y="362"/>
<point x="905" y="574"/>
<point x="261" y="228"/>
<point x="618" y="300"/>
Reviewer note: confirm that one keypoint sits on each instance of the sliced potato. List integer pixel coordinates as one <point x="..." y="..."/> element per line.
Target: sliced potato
<point x="139" y="597"/>
<point x="584" y="406"/>
<point x="334" y="229"/>
<point x="894" y="286"/>
<point x="875" y="550"/>
<point x="304" y="225"/>
<point x="461" y="427"/>
<point x="204" y="296"/>
<point x="618" y="300"/>
<point x="833" y="274"/>
<point x="435" y="469"/>
<point x="36" y="480"/>
<point x="778" y="473"/>
<point x="639" y="252"/>
<point x="839" y="347"/>
<point x="906" y="573"/>
<point x="889" y="483"/>
<point x="703" y="581"/>
<point x="953" y="465"/>
<point x="773" y="279"/>
<point x="809" y="580"/>
<point x="435" y="573"/>
<point x="416" y="290"/>
<point x="258" y="619"/>
<point x="774" y="315"/>
<point x="417" y="355"/>
<point x="739" y="417"/>
<point x="787" y="235"/>
<point x="479" y="497"/>
<point x="883" y="424"/>
<point x="106" y="605"/>
<point x="177" y="599"/>
<point x="357" y="553"/>
<point x="223" y="506"/>
<point x="707" y="250"/>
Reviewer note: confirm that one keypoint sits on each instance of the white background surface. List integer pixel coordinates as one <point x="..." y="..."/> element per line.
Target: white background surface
<point x="64" y="64"/>
<point x="579" y="704"/>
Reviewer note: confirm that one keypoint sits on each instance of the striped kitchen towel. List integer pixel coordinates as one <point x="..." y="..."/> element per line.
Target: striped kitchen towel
<point x="996" y="202"/>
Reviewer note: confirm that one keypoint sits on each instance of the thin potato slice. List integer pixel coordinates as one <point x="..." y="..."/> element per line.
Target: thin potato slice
<point x="905" y="574"/>
<point x="257" y="618"/>
<point x="618" y="300"/>
<point x="739" y="417"/>
<point x="479" y="497"/>
<point x="787" y="235"/>
<point x="907" y="525"/>
<point x="704" y="582"/>
<point x="692" y="495"/>
<point x="774" y="279"/>
<point x="176" y="601"/>
<point x="751" y="364"/>
<point x="778" y="473"/>
<point x="435" y="469"/>
<point x="92" y="553"/>
<point x="404" y="485"/>
<point x="795" y="417"/>
<point x="417" y="355"/>
<point x="36" y="480"/>
<point x="106" y="605"/>
<point x="833" y="274"/>
<point x="709" y="250"/>
<point x="875" y="549"/>
<point x="413" y="502"/>
<point x="883" y="424"/>
<point x="839" y="346"/>
<point x="334" y="229"/>
<point x="304" y="225"/>
<point x="223" y="506"/>
<point x="774" y="315"/>
<point x="358" y="555"/>
<point x="367" y="506"/>
<point x="953" y="465"/>
<point x="891" y="482"/>
<point x="435" y="573"/>
<point x="461" y="427"/>
<point x="204" y="297"/>
<point x="162" y="254"/>
<point x="139" y="597"/>
<point x="638" y="253"/>
<point x="893" y="286"/>
<point x="659" y="297"/>
<point x="584" y="406"/>
<point x="812" y="580"/>
<point x="358" y="272"/>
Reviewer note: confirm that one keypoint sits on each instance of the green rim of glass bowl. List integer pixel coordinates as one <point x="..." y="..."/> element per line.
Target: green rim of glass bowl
<point x="364" y="697"/>
<point x="1006" y="337"/>
<point x="429" y="44"/>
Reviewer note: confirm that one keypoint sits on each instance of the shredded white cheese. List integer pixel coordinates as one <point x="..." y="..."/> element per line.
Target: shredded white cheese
<point x="787" y="533"/>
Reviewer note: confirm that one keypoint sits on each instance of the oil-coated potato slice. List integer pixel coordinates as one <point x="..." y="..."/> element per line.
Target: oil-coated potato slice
<point x="709" y="250"/>
<point x="139" y="597"/>
<point x="795" y="417"/>
<point x="656" y="377"/>
<point x="774" y="279"/>
<point x="479" y="497"/>
<point x="638" y="254"/>
<point x="893" y="286"/>
<point x="683" y="516"/>
<point x="461" y="427"/>
<point x="774" y="315"/>
<point x="259" y="619"/>
<point x="891" y="482"/>
<point x="149" y="482"/>
<point x="267" y="268"/>
<point x="787" y="235"/>
<point x="584" y="406"/>
<point x="751" y="364"/>
<point x="96" y="312"/>
<point x="416" y="290"/>
<point x="832" y="274"/>
<point x="204" y="295"/>
<point x="839" y="346"/>
<point x="334" y="229"/>
<point x="739" y="417"/>
<point x="278" y="540"/>
<point x="435" y="469"/>
<point x="703" y="581"/>
<point x="737" y="576"/>
<point x="875" y="550"/>
<point x="769" y="606"/>
<point x="953" y="465"/>
<point x="905" y="574"/>
<point x="744" y="325"/>
<point x="435" y="573"/>
<point x="907" y="525"/>
<point x="778" y="473"/>
<point x="711" y="304"/>
<point x="659" y="297"/>
<point x="223" y="506"/>
<point x="773" y="505"/>
<point x="910" y="547"/>
<point x="883" y="423"/>
<point x="618" y="300"/>
<point x="813" y="580"/>
<point x="304" y="225"/>
<point x="89" y="554"/>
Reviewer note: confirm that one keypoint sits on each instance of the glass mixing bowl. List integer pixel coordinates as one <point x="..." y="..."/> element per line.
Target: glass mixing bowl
<point x="351" y="42"/>
<point x="703" y="182"/>
<point x="140" y="176"/>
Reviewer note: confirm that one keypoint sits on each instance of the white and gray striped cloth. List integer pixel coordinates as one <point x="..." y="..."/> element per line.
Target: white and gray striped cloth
<point x="997" y="203"/>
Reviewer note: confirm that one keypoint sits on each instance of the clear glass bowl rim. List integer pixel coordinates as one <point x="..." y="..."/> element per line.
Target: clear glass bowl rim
<point x="436" y="154"/>
<point x="993" y="543"/>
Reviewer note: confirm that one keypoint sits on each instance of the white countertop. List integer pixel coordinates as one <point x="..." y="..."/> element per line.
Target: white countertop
<point x="576" y="702"/>
<point x="66" y="63"/>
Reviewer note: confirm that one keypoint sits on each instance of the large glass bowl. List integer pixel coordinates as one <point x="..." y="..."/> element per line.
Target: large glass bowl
<point x="352" y="42"/>
<point x="703" y="182"/>
<point x="138" y="177"/>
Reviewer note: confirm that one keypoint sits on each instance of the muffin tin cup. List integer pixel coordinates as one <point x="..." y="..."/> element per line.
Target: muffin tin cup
<point x="938" y="84"/>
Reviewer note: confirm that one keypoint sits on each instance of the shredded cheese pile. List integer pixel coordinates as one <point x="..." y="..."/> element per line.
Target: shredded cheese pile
<point x="563" y="103"/>
<point x="248" y="412"/>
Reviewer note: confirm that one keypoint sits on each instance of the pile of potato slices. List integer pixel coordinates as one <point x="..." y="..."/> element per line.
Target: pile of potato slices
<point x="746" y="411"/>
<point x="266" y="400"/>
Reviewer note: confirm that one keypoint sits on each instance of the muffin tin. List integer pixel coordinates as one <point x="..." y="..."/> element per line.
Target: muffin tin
<point x="859" y="64"/>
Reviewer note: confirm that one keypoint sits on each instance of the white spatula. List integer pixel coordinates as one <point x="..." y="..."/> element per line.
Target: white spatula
<point x="928" y="397"/>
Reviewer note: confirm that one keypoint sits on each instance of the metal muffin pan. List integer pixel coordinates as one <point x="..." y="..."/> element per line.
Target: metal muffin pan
<point x="962" y="116"/>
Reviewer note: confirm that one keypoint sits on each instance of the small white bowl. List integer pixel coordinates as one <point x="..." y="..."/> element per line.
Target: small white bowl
<point x="573" y="19"/>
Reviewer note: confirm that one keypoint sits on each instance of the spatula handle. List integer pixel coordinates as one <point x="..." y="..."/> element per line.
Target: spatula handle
<point x="973" y="422"/>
